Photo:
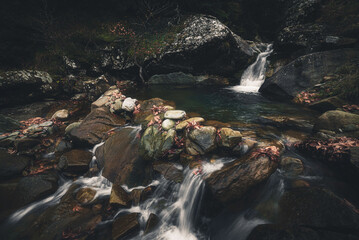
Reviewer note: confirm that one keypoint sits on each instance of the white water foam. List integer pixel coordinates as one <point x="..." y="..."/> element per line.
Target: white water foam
<point x="254" y="76"/>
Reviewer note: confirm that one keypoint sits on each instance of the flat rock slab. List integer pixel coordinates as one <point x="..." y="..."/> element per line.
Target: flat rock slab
<point x="93" y="128"/>
<point x="125" y="226"/>
<point x="75" y="161"/>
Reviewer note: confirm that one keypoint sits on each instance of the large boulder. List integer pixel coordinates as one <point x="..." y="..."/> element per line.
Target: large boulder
<point x="12" y="165"/>
<point x="28" y="84"/>
<point x="339" y="122"/>
<point x="233" y="181"/>
<point x="309" y="207"/>
<point x="33" y="188"/>
<point x="305" y="72"/>
<point x="125" y="226"/>
<point x="180" y="78"/>
<point x="168" y="170"/>
<point x="204" y="45"/>
<point x="93" y="128"/>
<point x="119" y="158"/>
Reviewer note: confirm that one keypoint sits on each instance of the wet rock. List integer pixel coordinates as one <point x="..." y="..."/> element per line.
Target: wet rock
<point x="24" y="144"/>
<point x="175" y="114"/>
<point x="76" y="161"/>
<point x="237" y="178"/>
<point x="327" y="104"/>
<point x="155" y="144"/>
<point x="63" y="146"/>
<point x="305" y="72"/>
<point x="12" y="165"/>
<point x="125" y="226"/>
<point x="229" y="138"/>
<point x="93" y="128"/>
<point x="136" y="196"/>
<point x="85" y="195"/>
<point x="291" y="166"/>
<point x="309" y="207"/>
<point x="245" y="146"/>
<point x="204" y="138"/>
<point x="338" y="121"/>
<point x="168" y="124"/>
<point x="28" y="84"/>
<point x="119" y="158"/>
<point x="152" y="222"/>
<point x="282" y="232"/>
<point x="182" y="125"/>
<point x="117" y="106"/>
<point x="170" y="171"/>
<point x="100" y="102"/>
<point x="61" y="115"/>
<point x="119" y="197"/>
<point x="354" y="157"/>
<point x="129" y="104"/>
<point x="33" y="188"/>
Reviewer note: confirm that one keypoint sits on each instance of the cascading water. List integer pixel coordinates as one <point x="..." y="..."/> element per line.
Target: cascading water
<point x="254" y="76"/>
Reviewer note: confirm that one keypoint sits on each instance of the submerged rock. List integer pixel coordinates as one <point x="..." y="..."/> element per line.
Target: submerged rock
<point x="237" y="178"/>
<point x="291" y="166"/>
<point x="85" y="195"/>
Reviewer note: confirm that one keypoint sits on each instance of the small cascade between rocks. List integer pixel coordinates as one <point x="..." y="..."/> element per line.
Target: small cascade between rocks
<point x="254" y="76"/>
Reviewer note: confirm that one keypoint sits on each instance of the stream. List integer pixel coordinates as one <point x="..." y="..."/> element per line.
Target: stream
<point x="179" y="205"/>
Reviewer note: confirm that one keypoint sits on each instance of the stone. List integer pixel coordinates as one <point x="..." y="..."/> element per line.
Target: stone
<point x="30" y="85"/>
<point x="167" y="124"/>
<point x="71" y="126"/>
<point x="245" y="146"/>
<point x="119" y="197"/>
<point x="63" y="146"/>
<point x="125" y="226"/>
<point x="182" y="125"/>
<point x="229" y="138"/>
<point x="291" y="166"/>
<point x="24" y="144"/>
<point x="309" y="207"/>
<point x="119" y="158"/>
<point x="156" y="144"/>
<point x="94" y="127"/>
<point x="234" y="180"/>
<point x="118" y="105"/>
<point x="354" y="157"/>
<point x="152" y="222"/>
<point x="46" y="124"/>
<point x="305" y="72"/>
<point x="61" y="115"/>
<point x="205" y="138"/>
<point x="129" y="104"/>
<point x="337" y="121"/>
<point x="85" y="195"/>
<point x="33" y="188"/>
<point x="100" y="102"/>
<point x="327" y="104"/>
<point x="12" y="165"/>
<point x="169" y="171"/>
<point x="175" y="114"/>
<point x="75" y="161"/>
<point x="176" y="78"/>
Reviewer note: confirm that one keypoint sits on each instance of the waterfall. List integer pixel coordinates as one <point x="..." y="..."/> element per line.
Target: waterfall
<point x="254" y="76"/>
